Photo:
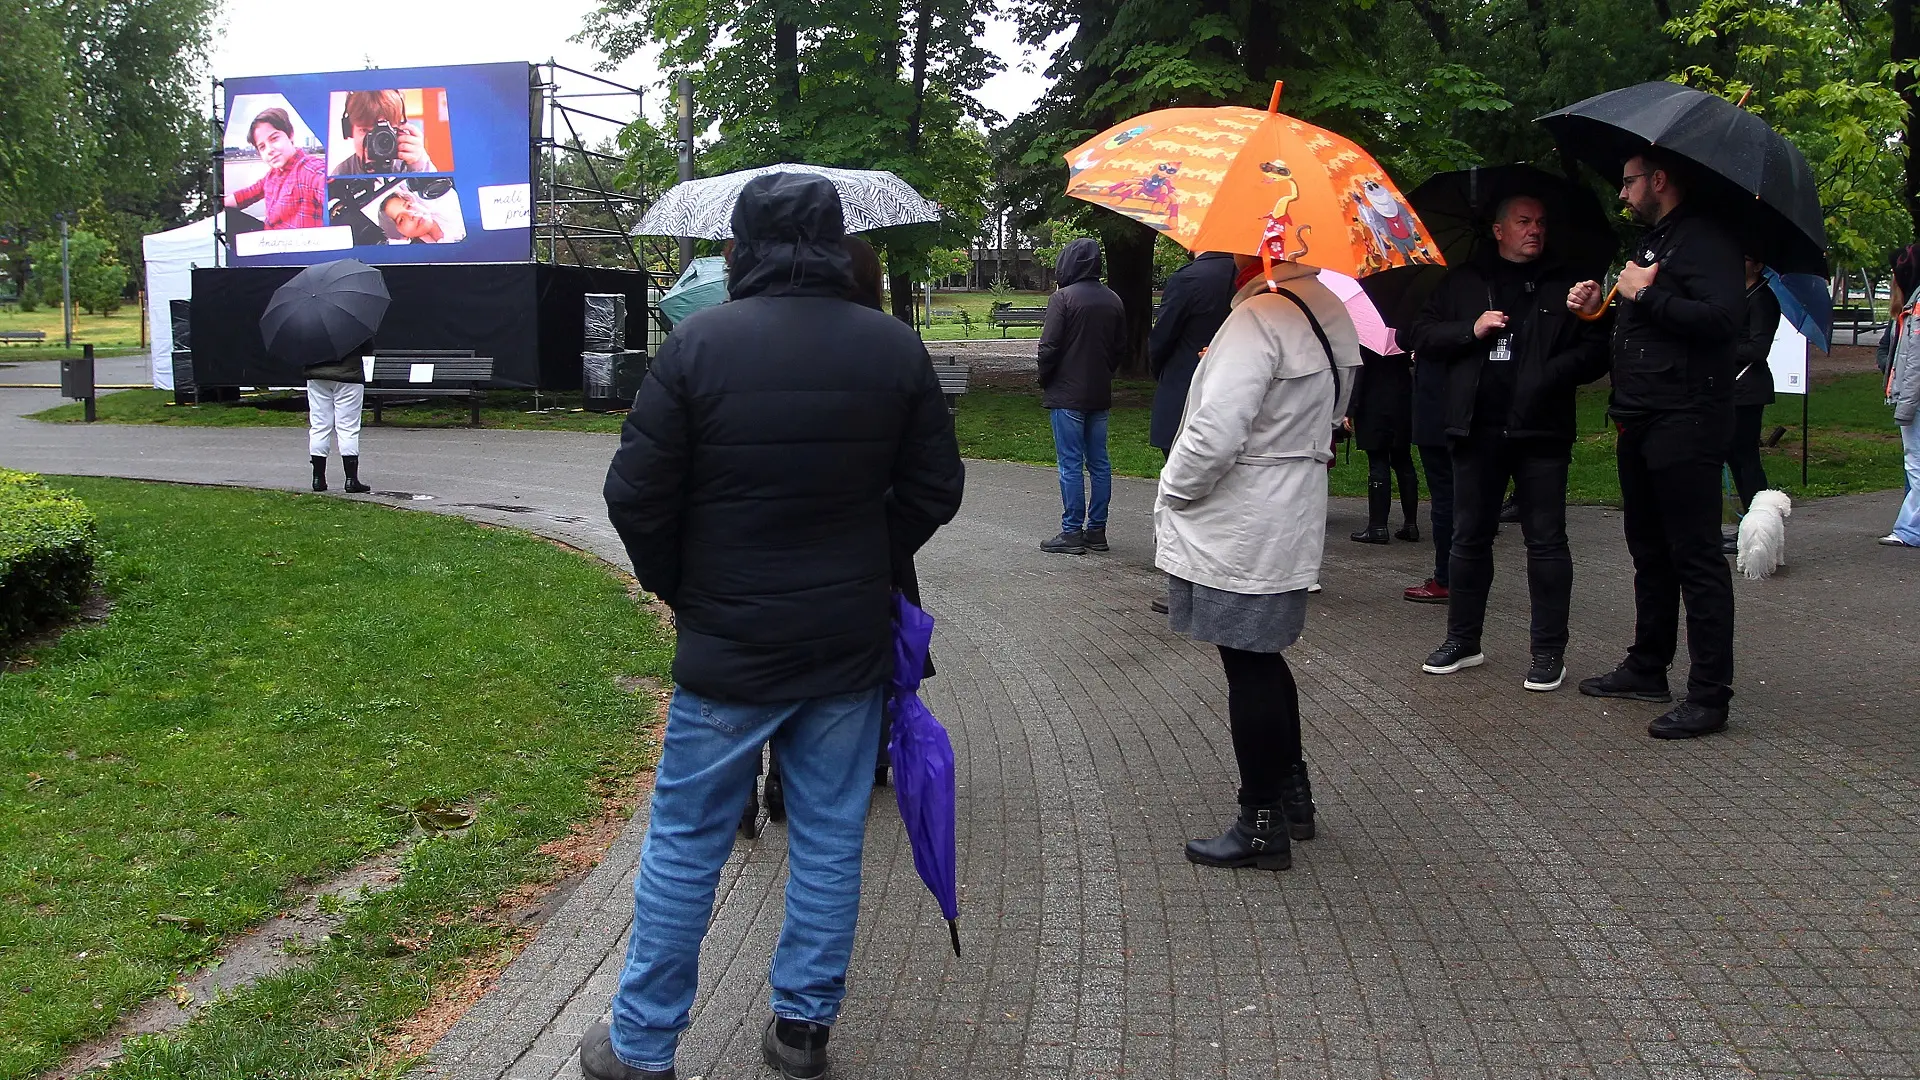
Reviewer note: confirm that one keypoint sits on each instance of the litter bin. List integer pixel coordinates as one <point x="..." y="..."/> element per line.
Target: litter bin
<point x="76" y="378"/>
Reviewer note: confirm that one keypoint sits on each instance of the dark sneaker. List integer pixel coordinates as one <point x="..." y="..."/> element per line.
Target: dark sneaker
<point x="1372" y="534"/>
<point x="1430" y="593"/>
<point x="1409" y="531"/>
<point x="1096" y="539"/>
<point x="796" y="1049"/>
<point x="1159" y="607"/>
<point x="1729" y="545"/>
<point x="1547" y="671"/>
<point x="1688" y="721"/>
<point x="1453" y="656"/>
<point x="597" y="1061"/>
<point x="1631" y="685"/>
<point x="1067" y="543"/>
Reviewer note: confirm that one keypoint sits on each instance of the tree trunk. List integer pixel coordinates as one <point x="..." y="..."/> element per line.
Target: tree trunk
<point x="786" y="75"/>
<point x="900" y="283"/>
<point x="1906" y="47"/>
<point x="1129" y="251"/>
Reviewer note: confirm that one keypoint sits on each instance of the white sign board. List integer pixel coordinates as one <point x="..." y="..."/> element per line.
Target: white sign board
<point x="1788" y="360"/>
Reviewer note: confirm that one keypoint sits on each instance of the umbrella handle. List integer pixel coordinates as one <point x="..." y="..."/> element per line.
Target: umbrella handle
<point x="1596" y="316"/>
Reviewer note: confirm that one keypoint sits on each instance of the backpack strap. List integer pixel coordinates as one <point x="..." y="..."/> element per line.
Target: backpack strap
<point x="1319" y="332"/>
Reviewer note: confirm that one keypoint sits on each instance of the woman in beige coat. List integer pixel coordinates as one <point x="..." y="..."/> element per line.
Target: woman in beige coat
<point x="1240" y="524"/>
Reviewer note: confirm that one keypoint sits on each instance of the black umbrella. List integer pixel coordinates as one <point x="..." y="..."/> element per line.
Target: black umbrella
<point x="325" y="312"/>
<point x="1746" y="173"/>
<point x="1401" y="292"/>
<point x="1458" y="208"/>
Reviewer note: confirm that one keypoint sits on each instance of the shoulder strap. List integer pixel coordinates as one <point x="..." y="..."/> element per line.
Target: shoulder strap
<point x="1320" y="333"/>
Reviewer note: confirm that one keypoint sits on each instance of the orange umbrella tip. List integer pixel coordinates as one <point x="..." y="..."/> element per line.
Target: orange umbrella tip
<point x="1744" y="94"/>
<point x="1273" y="106"/>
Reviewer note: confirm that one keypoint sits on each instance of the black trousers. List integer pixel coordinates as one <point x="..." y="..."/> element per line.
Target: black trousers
<point x="1263" y="710"/>
<point x="1670" y="494"/>
<point x="1437" y="463"/>
<point x="1743" y="453"/>
<point x="1482" y="464"/>
<point x="1395" y="462"/>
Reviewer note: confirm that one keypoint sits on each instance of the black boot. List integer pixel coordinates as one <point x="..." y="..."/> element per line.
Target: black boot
<point x="776" y="796"/>
<point x="1297" y="799"/>
<point x="319" y="471"/>
<point x="1255" y="839"/>
<point x="352" y="464"/>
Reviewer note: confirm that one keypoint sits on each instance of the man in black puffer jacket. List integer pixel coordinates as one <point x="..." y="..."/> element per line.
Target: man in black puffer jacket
<point x="1514" y="357"/>
<point x="1080" y="348"/>
<point x="1674" y="331"/>
<point x="785" y="451"/>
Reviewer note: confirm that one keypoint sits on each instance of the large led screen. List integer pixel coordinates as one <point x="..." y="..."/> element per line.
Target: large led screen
<point x="388" y="166"/>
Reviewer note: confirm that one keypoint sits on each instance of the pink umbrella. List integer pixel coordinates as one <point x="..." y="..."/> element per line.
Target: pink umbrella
<point x="1374" y="332"/>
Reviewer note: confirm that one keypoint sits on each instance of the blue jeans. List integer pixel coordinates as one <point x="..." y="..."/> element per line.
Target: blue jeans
<point x="1080" y="445"/>
<point x="1906" y="524"/>
<point x="826" y="748"/>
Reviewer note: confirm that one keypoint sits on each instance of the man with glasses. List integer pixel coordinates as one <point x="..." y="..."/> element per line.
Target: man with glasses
<point x="1675" y="321"/>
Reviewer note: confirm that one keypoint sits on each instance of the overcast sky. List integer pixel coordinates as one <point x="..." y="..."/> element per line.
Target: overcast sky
<point x="274" y="37"/>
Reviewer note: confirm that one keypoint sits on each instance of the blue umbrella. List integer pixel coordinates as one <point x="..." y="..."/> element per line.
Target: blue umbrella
<point x="1806" y="305"/>
<point x="702" y="285"/>
<point x="922" y="764"/>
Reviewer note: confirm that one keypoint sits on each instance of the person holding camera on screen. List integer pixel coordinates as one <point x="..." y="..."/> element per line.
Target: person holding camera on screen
<point x="383" y="141"/>
<point x="295" y="187"/>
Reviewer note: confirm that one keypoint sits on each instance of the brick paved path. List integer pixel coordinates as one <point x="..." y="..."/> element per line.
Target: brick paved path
<point x="1504" y="885"/>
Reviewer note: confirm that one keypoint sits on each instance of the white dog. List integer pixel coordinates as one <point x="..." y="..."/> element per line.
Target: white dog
<point x="1763" y="535"/>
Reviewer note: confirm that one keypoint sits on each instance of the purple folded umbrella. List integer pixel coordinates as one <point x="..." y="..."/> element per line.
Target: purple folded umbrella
<point x="922" y="764"/>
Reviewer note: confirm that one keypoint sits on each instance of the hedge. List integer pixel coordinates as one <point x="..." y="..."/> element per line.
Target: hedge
<point x="46" y="553"/>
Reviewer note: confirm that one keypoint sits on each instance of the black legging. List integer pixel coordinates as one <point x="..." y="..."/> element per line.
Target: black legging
<point x="1743" y="456"/>
<point x="1263" y="709"/>
<point x="1397" y="462"/>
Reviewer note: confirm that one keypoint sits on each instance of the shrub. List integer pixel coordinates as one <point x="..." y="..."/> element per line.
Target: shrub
<point x="46" y="553"/>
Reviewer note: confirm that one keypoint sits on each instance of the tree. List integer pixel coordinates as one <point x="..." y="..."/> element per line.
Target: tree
<point x="870" y="84"/>
<point x="96" y="279"/>
<point x="103" y="115"/>
<point x="1822" y="81"/>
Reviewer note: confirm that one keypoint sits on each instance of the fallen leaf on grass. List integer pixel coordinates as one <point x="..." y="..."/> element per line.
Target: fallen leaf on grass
<point x="180" y="994"/>
<point x="189" y="924"/>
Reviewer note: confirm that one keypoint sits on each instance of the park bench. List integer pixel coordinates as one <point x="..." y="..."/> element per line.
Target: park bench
<point x="1854" y="320"/>
<point x="423" y="373"/>
<point x="1006" y="315"/>
<point x="11" y="336"/>
<point x="959" y="315"/>
<point x="954" y="377"/>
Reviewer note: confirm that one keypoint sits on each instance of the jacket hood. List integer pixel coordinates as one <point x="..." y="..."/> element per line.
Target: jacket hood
<point x="1078" y="261"/>
<point x="787" y="233"/>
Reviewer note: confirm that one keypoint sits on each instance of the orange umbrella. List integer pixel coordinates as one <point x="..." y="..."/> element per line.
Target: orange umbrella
<point x="1256" y="183"/>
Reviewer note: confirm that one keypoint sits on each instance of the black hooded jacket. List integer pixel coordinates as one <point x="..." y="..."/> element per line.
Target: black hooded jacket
<point x="1553" y="352"/>
<point x="1085" y="335"/>
<point x="1196" y="300"/>
<point x="1673" y="351"/>
<point x="786" y="449"/>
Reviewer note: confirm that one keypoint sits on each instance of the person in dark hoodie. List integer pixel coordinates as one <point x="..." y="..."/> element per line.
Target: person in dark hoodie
<point x="783" y="449"/>
<point x="1194" y="302"/>
<point x="1514" y="357"/>
<point x="1674" y="331"/>
<point x="1081" y="345"/>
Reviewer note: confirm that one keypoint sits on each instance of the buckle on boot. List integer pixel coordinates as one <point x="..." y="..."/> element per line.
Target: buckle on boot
<point x="1257" y="843"/>
<point x="1263" y="820"/>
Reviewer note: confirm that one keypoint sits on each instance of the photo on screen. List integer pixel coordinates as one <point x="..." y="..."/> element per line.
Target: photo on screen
<point x="386" y="132"/>
<point x="272" y="171"/>
<point x="396" y="211"/>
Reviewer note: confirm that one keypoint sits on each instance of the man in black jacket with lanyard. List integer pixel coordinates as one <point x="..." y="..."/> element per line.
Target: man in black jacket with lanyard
<point x="1674" y="330"/>
<point x="1514" y="357"/>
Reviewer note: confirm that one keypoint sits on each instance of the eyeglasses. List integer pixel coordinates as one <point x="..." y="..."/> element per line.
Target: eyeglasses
<point x="1627" y="180"/>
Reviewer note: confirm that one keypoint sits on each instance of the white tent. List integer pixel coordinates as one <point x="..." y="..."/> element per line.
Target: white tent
<point x="171" y="257"/>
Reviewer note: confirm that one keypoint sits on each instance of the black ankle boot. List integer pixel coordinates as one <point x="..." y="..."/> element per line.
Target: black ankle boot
<point x="351" y="462"/>
<point x="1257" y="839"/>
<point x="319" y="471"/>
<point x="1297" y="799"/>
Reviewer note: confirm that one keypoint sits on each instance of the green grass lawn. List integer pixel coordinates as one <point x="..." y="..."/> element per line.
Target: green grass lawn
<point x="977" y="305"/>
<point x="1853" y="446"/>
<point x="276" y="669"/>
<point x="503" y="409"/>
<point x="117" y="334"/>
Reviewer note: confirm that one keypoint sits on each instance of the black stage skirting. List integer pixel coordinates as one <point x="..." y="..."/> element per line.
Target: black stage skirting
<point x="530" y="317"/>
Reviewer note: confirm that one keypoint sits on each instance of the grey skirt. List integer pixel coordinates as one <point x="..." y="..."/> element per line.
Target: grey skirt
<point x="1262" y="623"/>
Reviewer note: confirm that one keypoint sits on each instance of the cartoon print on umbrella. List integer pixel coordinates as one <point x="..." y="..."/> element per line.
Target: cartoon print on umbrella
<point x="1392" y="227"/>
<point x="1273" y="245"/>
<point x="1156" y="190"/>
